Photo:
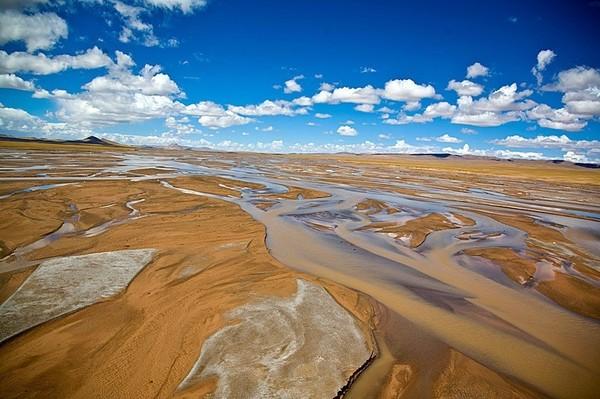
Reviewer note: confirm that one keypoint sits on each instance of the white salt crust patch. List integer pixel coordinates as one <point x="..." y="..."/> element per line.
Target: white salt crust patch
<point x="62" y="285"/>
<point x="304" y="346"/>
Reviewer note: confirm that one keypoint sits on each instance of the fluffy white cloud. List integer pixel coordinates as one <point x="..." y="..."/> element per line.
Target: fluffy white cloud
<point x="204" y="108"/>
<point x="411" y="106"/>
<point x="446" y="138"/>
<point x="584" y="107"/>
<point x="465" y="88"/>
<point x="367" y="70"/>
<point x="396" y="90"/>
<point x="560" y="119"/>
<point x="365" y="107"/>
<point x="485" y="119"/>
<point x="108" y="107"/>
<point x="18" y="120"/>
<point x="560" y="142"/>
<point x="575" y="79"/>
<point x="407" y="90"/>
<point x="544" y="58"/>
<point x="439" y="110"/>
<point x="574" y="157"/>
<point x="149" y="82"/>
<point x="134" y="28"/>
<point x="401" y="146"/>
<point x="124" y="61"/>
<point x="215" y="116"/>
<point x="365" y="147"/>
<point x="359" y="95"/>
<point x="121" y="96"/>
<point x="269" y="108"/>
<point x="436" y="110"/>
<point x="467" y="150"/>
<point x="38" y="31"/>
<point x="387" y="110"/>
<point x="475" y="70"/>
<point x="322" y="116"/>
<point x="506" y="98"/>
<point x="15" y="120"/>
<point x="292" y="85"/>
<point x="12" y="81"/>
<point x="303" y="101"/>
<point x="346" y="130"/>
<point x="40" y="64"/>
<point x="581" y="88"/>
<point x="180" y="127"/>
<point x="225" y="120"/>
<point x="501" y="106"/>
<point x="326" y="87"/>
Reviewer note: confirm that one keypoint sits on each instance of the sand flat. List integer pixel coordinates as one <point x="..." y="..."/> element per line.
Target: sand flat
<point x="62" y="285"/>
<point x="275" y="346"/>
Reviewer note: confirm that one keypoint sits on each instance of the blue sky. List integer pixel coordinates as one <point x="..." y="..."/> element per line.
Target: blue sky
<point x="510" y="79"/>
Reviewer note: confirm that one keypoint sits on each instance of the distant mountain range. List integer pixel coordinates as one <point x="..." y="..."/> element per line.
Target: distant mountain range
<point x="93" y="140"/>
<point x="88" y="140"/>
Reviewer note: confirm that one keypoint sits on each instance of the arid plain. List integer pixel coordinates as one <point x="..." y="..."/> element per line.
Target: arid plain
<point x="136" y="272"/>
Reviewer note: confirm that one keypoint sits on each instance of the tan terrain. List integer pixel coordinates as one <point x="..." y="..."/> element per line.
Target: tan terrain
<point x="377" y="276"/>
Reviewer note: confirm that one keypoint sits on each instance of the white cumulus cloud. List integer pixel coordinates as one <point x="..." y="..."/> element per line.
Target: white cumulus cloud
<point x="37" y="31"/>
<point x="465" y="88"/>
<point x="544" y="58"/>
<point x="407" y="90"/>
<point x="574" y="157"/>
<point x="40" y="64"/>
<point x="446" y="138"/>
<point x="503" y="105"/>
<point x="269" y="108"/>
<point x="560" y="119"/>
<point x="475" y="70"/>
<point x="358" y="95"/>
<point x="558" y="142"/>
<point x="12" y="81"/>
<point x="134" y="28"/>
<point x="292" y="85"/>
<point x="346" y="130"/>
<point x="364" y="108"/>
<point x="441" y="109"/>
<point x="581" y="88"/>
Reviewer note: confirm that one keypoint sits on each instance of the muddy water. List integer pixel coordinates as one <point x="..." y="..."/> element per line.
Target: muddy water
<point x="498" y="323"/>
<point x="503" y="327"/>
<point x="424" y="289"/>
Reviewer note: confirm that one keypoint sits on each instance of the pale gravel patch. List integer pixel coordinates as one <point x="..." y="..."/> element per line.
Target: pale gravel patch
<point x="304" y="346"/>
<point x="62" y="285"/>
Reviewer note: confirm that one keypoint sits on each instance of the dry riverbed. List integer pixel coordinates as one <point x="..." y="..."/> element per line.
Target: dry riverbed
<point x="172" y="273"/>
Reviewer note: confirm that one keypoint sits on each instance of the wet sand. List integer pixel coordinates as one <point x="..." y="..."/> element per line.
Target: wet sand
<point x="493" y="293"/>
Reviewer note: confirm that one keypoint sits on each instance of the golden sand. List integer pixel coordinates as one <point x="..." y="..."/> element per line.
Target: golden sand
<point x="212" y="258"/>
<point x="142" y="343"/>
